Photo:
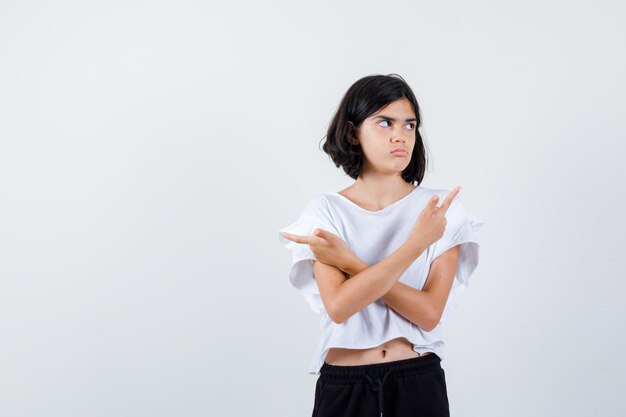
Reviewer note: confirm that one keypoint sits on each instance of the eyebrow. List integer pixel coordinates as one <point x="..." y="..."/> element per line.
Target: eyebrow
<point x="393" y="119"/>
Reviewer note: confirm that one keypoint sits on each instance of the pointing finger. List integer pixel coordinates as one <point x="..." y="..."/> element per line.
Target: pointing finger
<point x="296" y="238"/>
<point x="449" y="198"/>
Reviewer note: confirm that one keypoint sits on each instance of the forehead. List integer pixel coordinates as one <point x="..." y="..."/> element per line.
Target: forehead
<point x="401" y="109"/>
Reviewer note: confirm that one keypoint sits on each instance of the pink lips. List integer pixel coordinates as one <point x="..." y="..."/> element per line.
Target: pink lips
<point x="400" y="152"/>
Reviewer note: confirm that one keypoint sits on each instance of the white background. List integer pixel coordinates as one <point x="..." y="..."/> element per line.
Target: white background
<point x="149" y="151"/>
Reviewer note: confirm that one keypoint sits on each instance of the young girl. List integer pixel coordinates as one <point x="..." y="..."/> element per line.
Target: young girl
<point x="382" y="261"/>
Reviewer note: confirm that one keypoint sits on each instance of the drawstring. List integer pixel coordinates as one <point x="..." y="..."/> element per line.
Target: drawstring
<point x="379" y="388"/>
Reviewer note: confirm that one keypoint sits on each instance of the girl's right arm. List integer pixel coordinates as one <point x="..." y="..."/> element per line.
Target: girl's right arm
<point x="344" y="297"/>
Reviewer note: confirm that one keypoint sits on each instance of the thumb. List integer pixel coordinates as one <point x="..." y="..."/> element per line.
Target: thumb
<point x="432" y="204"/>
<point x="324" y="234"/>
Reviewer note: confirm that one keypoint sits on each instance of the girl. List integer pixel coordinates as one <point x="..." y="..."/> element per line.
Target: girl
<point x="382" y="262"/>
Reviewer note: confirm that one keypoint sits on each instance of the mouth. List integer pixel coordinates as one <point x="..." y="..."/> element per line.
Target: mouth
<point x="400" y="152"/>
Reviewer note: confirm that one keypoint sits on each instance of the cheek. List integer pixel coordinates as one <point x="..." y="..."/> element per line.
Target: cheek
<point x="379" y="148"/>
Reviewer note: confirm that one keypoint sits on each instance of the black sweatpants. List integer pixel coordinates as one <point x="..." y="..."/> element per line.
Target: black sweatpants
<point x="405" y="388"/>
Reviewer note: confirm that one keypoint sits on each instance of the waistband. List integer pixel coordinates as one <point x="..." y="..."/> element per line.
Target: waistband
<point x="388" y="370"/>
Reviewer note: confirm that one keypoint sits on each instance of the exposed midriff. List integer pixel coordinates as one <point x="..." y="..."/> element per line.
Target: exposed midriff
<point x="393" y="350"/>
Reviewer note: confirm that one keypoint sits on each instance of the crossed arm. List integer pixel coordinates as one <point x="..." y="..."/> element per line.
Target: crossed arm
<point x="423" y="307"/>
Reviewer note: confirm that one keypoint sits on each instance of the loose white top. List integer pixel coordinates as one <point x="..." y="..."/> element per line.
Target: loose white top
<point x="372" y="236"/>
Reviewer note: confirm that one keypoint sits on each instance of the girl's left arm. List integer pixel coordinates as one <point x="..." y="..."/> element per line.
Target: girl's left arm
<point x="423" y="307"/>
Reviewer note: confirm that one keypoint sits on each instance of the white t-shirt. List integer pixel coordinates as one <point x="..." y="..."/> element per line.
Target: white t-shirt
<point x="372" y="236"/>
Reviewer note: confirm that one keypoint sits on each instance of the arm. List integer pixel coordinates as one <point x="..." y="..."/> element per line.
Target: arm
<point x="424" y="307"/>
<point x="344" y="297"/>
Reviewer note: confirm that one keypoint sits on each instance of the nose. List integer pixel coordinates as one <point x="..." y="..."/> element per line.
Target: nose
<point x="398" y="137"/>
<point x="398" y="134"/>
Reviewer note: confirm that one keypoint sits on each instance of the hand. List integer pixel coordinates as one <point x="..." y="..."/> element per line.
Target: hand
<point x="327" y="247"/>
<point x="431" y="222"/>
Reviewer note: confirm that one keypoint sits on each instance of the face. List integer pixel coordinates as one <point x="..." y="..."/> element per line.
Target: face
<point x="389" y="128"/>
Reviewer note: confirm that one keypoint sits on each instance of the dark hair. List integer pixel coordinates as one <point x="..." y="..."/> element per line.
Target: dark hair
<point x="364" y="98"/>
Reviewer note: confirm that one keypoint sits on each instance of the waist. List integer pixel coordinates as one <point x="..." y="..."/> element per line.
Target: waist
<point x="395" y="369"/>
<point x="396" y="349"/>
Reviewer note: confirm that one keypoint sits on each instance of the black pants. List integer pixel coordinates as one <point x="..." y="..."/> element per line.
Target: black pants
<point x="414" y="387"/>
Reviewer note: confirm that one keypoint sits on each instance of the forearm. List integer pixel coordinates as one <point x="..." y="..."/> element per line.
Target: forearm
<point x="411" y="303"/>
<point x="352" y="265"/>
<point x="372" y="282"/>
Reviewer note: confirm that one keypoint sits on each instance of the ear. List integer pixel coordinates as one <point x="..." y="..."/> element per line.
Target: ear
<point x="352" y="134"/>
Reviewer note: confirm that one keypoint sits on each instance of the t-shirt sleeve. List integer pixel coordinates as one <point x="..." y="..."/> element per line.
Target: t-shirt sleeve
<point x="461" y="229"/>
<point x="301" y="271"/>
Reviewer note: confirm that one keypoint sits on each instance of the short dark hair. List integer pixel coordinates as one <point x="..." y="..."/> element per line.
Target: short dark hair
<point x="364" y="98"/>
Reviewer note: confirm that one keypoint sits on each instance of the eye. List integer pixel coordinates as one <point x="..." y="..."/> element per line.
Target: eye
<point x="412" y="125"/>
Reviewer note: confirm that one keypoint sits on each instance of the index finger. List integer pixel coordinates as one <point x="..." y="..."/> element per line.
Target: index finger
<point x="448" y="200"/>
<point x="296" y="238"/>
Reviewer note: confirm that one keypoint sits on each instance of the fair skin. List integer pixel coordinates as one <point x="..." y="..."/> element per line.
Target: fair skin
<point x="380" y="184"/>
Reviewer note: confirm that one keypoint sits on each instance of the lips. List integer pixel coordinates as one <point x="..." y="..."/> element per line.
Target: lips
<point x="400" y="151"/>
